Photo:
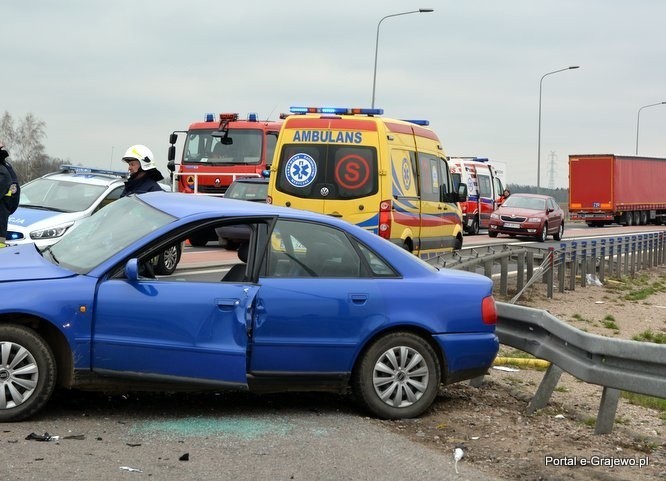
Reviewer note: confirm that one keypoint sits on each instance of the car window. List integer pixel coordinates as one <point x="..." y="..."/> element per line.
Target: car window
<point x="60" y="195"/>
<point x="302" y="249"/>
<point x="256" y="191"/>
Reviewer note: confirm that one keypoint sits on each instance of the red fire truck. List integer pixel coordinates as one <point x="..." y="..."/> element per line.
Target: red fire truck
<point x="218" y="151"/>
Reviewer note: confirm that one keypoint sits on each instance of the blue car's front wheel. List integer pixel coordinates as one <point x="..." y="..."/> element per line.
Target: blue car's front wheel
<point x="398" y="376"/>
<point x="27" y="372"/>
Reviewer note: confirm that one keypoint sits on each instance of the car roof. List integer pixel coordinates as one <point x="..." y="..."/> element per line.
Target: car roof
<point x="83" y="175"/>
<point x="535" y="196"/>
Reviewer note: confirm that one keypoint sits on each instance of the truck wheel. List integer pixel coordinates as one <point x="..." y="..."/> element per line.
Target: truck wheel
<point x="199" y="240"/>
<point x="398" y="376"/>
<point x="27" y="372"/>
<point x="637" y="218"/>
<point x="644" y="217"/>
<point x="628" y="219"/>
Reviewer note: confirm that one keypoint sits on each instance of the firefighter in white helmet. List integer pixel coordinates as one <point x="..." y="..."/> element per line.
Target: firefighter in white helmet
<point x="143" y="173"/>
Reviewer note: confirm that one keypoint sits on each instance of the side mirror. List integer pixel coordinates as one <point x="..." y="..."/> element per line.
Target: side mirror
<point x="171" y="165"/>
<point x="132" y="270"/>
<point x="173" y="138"/>
<point x="171" y="156"/>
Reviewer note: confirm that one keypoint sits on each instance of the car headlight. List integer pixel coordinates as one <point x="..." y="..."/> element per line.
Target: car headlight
<point x="51" y="232"/>
<point x="534" y="219"/>
<point x="494" y="216"/>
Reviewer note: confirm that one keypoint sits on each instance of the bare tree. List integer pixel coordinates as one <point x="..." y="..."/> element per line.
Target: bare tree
<point x="25" y="142"/>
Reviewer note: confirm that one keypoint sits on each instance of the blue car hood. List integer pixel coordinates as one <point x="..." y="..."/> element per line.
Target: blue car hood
<point x="24" y="262"/>
<point x="25" y="216"/>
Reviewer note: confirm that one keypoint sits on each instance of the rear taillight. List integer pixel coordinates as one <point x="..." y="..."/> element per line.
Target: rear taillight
<point x="488" y="310"/>
<point x="385" y="219"/>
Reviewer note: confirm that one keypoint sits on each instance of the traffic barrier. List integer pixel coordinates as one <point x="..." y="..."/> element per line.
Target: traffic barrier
<point x="616" y="364"/>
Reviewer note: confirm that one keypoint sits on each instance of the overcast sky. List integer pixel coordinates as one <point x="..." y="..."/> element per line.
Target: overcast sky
<point x="106" y="75"/>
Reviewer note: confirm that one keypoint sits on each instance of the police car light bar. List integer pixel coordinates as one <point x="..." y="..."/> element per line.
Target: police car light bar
<point x="418" y="122"/>
<point x="87" y="170"/>
<point x="335" y="110"/>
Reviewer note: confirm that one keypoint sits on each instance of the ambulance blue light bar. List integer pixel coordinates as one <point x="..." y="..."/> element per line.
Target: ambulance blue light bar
<point x="424" y="123"/>
<point x="209" y="117"/>
<point x="335" y="110"/>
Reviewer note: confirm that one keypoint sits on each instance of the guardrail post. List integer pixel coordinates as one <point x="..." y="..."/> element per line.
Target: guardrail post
<point x="549" y="274"/>
<point x="619" y="257"/>
<point x="602" y="261"/>
<point x="583" y="263"/>
<point x="488" y="269"/>
<point x="661" y="248"/>
<point x="611" y="256"/>
<point x="626" y="254"/>
<point x="520" y="271"/>
<point x="607" y="409"/>
<point x="561" y="267"/>
<point x="504" y="275"/>
<point x="530" y="264"/>
<point x="640" y="259"/>
<point x="545" y="389"/>
<point x="592" y="269"/>
<point x="632" y="269"/>
<point x="572" y="273"/>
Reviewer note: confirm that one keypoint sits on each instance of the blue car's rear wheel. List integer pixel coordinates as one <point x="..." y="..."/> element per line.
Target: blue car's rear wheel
<point x="27" y="373"/>
<point x="398" y="376"/>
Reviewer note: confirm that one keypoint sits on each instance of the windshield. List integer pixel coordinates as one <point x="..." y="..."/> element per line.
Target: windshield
<point x="60" y="195"/>
<point x="534" y="203"/>
<point x="202" y="147"/>
<point x="105" y="233"/>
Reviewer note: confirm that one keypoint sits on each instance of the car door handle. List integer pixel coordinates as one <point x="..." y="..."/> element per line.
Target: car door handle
<point x="359" y="299"/>
<point x="226" y="304"/>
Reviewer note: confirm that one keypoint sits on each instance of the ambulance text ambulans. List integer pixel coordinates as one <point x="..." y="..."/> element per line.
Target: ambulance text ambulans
<point x="484" y="190"/>
<point x="388" y="176"/>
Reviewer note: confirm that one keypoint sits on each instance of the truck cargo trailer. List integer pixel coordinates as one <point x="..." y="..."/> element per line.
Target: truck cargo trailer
<point x="607" y="188"/>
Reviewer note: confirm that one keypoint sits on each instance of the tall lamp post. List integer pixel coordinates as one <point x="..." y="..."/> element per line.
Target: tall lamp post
<point x="539" y="142"/>
<point x="374" y="77"/>
<point x="638" y="119"/>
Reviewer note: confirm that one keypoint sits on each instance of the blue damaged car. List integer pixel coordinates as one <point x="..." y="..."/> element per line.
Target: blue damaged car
<point x="314" y="304"/>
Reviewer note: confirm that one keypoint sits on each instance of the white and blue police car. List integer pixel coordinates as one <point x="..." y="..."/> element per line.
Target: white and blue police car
<point x="55" y="203"/>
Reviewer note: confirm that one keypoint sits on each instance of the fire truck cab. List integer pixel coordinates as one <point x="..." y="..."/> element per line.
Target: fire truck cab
<point x="217" y="151"/>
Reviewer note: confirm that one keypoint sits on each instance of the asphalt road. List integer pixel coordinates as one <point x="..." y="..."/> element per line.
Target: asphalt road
<point x="232" y="436"/>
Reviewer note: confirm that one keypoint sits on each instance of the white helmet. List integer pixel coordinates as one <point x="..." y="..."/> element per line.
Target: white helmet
<point x="141" y="153"/>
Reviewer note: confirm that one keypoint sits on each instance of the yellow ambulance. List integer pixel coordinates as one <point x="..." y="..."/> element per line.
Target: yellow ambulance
<point x="388" y="176"/>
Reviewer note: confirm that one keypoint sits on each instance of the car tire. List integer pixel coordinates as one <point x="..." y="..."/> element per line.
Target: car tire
<point x="28" y="372"/>
<point x="167" y="261"/>
<point x="544" y="233"/>
<point x="397" y="376"/>
<point x="560" y="232"/>
<point x="457" y="245"/>
<point x="474" y="228"/>
<point x="492" y="234"/>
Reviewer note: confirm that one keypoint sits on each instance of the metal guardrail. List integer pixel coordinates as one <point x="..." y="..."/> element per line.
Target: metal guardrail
<point x="615" y="364"/>
<point x="573" y="263"/>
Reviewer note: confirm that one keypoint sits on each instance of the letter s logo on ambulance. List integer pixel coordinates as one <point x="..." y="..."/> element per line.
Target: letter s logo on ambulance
<point x="300" y="170"/>
<point x="352" y="172"/>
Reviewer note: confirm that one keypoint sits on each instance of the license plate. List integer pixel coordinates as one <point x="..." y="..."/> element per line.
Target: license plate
<point x="512" y="225"/>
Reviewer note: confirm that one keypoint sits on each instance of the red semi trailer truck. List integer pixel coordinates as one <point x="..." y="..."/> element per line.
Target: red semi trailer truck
<point x="607" y="188"/>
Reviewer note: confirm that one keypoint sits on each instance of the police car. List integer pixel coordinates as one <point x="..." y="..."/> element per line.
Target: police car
<point x="55" y="203"/>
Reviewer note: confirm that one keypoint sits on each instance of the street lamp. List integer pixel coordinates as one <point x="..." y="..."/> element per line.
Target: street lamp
<point x="638" y="119"/>
<point x="539" y="144"/>
<point x="374" y="77"/>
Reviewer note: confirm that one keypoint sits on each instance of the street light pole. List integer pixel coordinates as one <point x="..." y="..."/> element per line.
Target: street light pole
<point x="638" y="119"/>
<point x="374" y="77"/>
<point x="539" y="141"/>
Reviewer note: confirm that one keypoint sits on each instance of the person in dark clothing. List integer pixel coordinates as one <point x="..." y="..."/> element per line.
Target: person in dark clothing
<point x="143" y="173"/>
<point x="5" y="192"/>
